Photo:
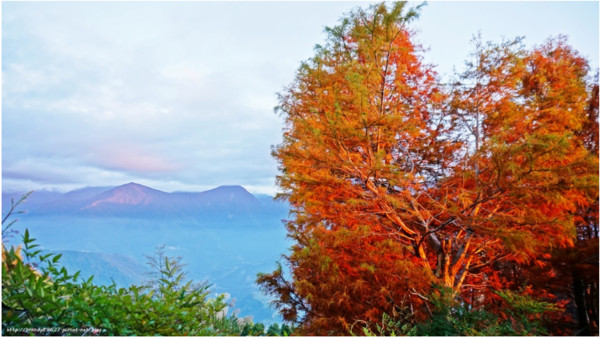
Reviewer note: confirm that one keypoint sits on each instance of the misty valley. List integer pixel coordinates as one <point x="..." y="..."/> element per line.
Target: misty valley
<point x="225" y="236"/>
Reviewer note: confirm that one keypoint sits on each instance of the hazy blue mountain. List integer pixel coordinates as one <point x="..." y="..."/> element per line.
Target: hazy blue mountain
<point x="85" y="193"/>
<point x="272" y="205"/>
<point x="33" y="203"/>
<point x="225" y="235"/>
<point x="225" y="203"/>
<point x="105" y="268"/>
<point x="127" y="200"/>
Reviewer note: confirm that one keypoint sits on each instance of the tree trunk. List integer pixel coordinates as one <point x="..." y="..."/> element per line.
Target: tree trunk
<point x="583" y="323"/>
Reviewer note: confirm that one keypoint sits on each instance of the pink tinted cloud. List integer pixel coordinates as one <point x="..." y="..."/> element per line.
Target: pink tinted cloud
<point x="133" y="159"/>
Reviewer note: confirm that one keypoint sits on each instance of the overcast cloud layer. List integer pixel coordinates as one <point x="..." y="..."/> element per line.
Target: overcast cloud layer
<point x="180" y="96"/>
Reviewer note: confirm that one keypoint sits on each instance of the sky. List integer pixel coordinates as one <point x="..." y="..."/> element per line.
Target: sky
<point x="179" y="96"/>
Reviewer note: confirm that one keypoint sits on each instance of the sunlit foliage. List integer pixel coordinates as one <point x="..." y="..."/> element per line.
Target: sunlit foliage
<point x="398" y="182"/>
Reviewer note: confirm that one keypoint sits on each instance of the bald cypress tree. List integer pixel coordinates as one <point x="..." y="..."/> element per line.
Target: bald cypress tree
<point x="398" y="183"/>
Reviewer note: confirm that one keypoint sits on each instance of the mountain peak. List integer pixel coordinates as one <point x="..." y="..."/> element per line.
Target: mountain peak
<point x="237" y="188"/>
<point x="229" y="189"/>
<point x="133" y="185"/>
<point x="131" y="193"/>
<point x="231" y="194"/>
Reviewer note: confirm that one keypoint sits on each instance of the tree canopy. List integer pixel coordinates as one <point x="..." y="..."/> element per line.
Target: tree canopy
<point x="399" y="182"/>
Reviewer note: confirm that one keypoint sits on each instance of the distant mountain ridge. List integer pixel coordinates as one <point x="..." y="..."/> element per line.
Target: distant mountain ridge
<point x="225" y="235"/>
<point x="232" y="202"/>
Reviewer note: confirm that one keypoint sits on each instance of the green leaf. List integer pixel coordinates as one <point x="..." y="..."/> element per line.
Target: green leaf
<point x="56" y="258"/>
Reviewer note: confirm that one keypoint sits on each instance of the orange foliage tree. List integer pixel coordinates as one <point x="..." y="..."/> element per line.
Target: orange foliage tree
<point x="398" y="183"/>
<point x="570" y="275"/>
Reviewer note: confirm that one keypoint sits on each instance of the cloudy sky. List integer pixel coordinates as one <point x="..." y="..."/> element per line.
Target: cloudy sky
<point x="180" y="95"/>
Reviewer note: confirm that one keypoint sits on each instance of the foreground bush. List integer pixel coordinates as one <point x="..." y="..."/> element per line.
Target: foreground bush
<point x="45" y="299"/>
<point x="522" y="316"/>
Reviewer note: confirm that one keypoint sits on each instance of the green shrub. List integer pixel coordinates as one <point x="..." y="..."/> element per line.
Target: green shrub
<point x="523" y="316"/>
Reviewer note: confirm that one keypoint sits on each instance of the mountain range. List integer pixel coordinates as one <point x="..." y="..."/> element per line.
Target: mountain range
<point x="232" y="203"/>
